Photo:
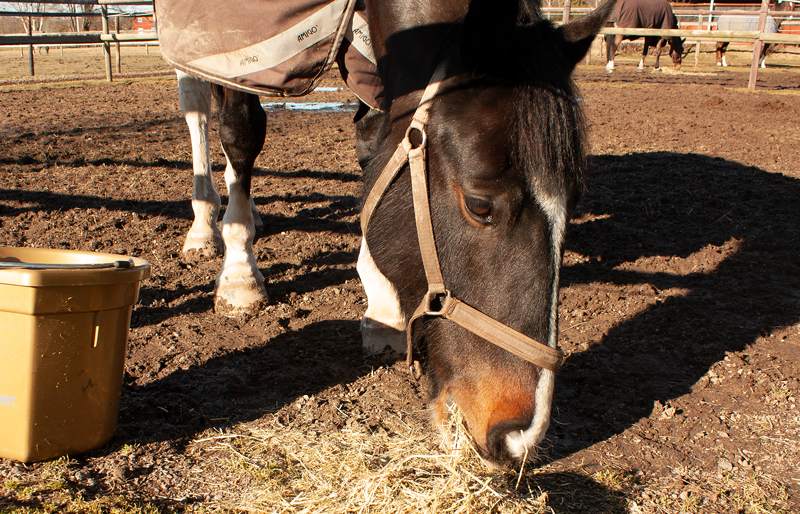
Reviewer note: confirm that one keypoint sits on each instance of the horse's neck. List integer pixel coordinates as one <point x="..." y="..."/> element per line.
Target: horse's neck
<point x="393" y="16"/>
<point x="409" y="35"/>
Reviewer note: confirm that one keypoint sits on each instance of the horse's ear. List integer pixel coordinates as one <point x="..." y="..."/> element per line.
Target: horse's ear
<point x="487" y="26"/>
<point x="578" y="34"/>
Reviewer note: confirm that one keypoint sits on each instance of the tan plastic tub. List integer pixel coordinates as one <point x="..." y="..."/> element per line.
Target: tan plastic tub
<point x="63" y="334"/>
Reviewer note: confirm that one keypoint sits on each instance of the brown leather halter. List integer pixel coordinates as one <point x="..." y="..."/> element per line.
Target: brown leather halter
<point x="438" y="301"/>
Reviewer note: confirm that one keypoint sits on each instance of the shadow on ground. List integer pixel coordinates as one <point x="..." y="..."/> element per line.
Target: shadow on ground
<point x="674" y="208"/>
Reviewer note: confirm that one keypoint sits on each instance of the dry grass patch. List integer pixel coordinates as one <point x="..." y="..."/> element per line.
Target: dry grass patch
<point x="276" y="469"/>
<point x="696" y="491"/>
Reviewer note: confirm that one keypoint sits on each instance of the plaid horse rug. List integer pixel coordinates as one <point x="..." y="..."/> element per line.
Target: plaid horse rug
<point x="270" y="47"/>
<point x="747" y="22"/>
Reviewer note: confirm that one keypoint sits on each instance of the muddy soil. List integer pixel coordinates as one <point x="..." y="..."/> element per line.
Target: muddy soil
<point x="680" y="300"/>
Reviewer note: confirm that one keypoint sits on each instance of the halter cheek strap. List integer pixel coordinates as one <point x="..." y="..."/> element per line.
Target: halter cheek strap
<point x="438" y="301"/>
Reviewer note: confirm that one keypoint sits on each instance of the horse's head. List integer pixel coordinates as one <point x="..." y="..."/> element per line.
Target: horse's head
<point x="504" y="161"/>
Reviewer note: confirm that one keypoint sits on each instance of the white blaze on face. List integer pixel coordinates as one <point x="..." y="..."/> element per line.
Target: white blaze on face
<point x="520" y="443"/>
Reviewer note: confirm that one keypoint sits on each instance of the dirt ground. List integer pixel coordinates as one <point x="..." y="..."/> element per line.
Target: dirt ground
<point x="680" y="305"/>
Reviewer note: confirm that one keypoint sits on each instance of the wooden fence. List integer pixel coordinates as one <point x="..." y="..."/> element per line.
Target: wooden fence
<point x="757" y="37"/>
<point x="106" y="37"/>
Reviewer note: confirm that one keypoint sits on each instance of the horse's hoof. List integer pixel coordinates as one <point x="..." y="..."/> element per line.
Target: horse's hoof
<point x="377" y="337"/>
<point x="242" y="312"/>
<point x="240" y="295"/>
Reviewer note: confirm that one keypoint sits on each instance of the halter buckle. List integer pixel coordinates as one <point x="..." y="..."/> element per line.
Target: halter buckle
<point x="436" y="304"/>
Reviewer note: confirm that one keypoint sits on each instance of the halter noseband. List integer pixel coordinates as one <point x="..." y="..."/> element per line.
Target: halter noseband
<point x="438" y="301"/>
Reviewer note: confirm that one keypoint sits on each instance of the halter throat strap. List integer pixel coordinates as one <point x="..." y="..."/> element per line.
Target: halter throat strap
<point x="438" y="301"/>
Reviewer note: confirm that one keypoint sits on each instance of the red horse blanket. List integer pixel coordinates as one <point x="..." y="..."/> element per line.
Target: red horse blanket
<point x="270" y="47"/>
<point x="644" y="14"/>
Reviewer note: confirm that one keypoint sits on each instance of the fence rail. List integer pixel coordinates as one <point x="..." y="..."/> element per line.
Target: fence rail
<point x="105" y="38"/>
<point x="74" y="39"/>
<point x="710" y="35"/>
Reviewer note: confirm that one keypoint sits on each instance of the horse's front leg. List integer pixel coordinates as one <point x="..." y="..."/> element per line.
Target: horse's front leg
<point x="763" y="58"/>
<point x="612" y="42"/>
<point x="204" y="239"/>
<point x="721" y="48"/>
<point x="240" y="285"/>
<point x="644" y="54"/>
<point x="659" y="47"/>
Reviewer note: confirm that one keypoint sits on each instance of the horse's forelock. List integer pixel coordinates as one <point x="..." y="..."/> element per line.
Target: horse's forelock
<point x="549" y="129"/>
<point x="529" y="11"/>
<point x="548" y="125"/>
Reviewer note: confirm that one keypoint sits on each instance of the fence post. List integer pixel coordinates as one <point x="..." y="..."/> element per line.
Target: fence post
<point x="697" y="44"/>
<point x="106" y="44"/>
<point x="119" y="53"/>
<point x="30" y="47"/>
<point x="758" y="45"/>
<point x="567" y="9"/>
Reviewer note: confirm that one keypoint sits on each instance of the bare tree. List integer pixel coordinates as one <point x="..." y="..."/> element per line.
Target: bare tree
<point x="32" y="23"/>
<point x="81" y="23"/>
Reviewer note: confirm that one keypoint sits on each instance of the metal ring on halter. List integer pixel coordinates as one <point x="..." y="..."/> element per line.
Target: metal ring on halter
<point x="408" y="145"/>
<point x="442" y="303"/>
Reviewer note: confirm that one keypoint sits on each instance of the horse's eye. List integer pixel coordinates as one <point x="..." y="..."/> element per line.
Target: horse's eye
<point x="479" y="208"/>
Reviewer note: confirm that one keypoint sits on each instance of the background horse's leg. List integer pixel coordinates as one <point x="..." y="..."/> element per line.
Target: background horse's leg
<point x="240" y="285"/>
<point x="204" y="238"/>
<point x="659" y="47"/>
<point x="612" y="42"/>
<point x="763" y="61"/>
<point x="721" y="48"/>
<point x="644" y="54"/>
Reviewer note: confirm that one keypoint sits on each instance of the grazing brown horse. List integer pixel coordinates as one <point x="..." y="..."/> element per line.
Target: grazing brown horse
<point x="470" y="174"/>
<point x="644" y="14"/>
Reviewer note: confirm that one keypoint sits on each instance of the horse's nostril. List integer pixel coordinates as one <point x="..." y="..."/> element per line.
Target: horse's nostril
<point x="497" y="446"/>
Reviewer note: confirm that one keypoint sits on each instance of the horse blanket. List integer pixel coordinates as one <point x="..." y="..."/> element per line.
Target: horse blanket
<point x="270" y="47"/>
<point x="747" y="22"/>
<point x="644" y="14"/>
